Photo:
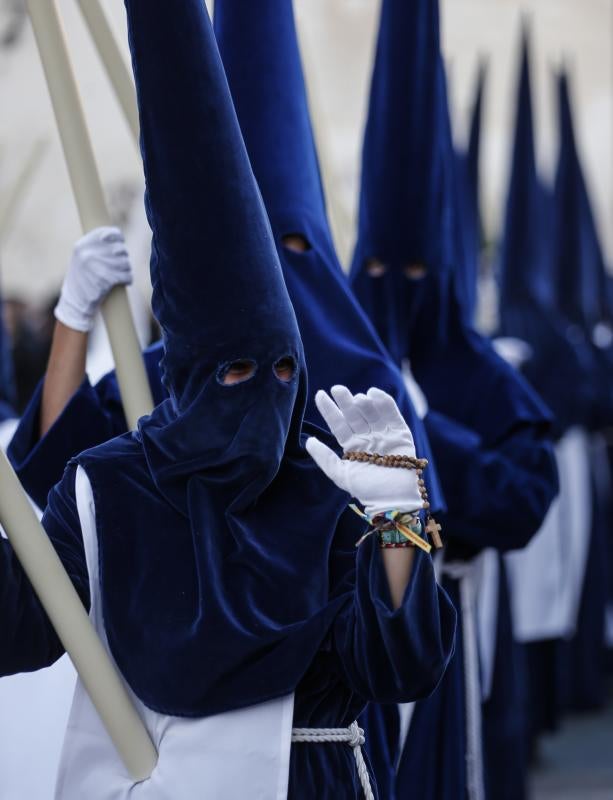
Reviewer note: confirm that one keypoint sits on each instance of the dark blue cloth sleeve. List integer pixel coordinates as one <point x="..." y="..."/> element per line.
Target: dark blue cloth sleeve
<point x="84" y="422"/>
<point x="394" y="656"/>
<point x="496" y="497"/>
<point x="27" y="639"/>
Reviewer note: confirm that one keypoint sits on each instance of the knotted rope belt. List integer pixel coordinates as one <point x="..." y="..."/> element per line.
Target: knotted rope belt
<point x="353" y="736"/>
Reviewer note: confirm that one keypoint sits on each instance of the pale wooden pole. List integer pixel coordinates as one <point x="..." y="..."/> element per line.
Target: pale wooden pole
<point x="72" y="625"/>
<point x="112" y="58"/>
<point x="32" y="547"/>
<point x="89" y="196"/>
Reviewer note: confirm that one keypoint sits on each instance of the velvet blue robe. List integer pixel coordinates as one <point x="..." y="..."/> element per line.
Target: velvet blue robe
<point x="361" y="657"/>
<point x="93" y="415"/>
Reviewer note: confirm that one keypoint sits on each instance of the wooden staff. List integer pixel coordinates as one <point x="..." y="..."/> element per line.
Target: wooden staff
<point x="87" y="188"/>
<point x="113" y="61"/>
<point x="34" y="550"/>
<point x="72" y="625"/>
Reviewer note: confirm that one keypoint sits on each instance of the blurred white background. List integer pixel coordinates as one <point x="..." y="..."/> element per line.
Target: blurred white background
<point x="337" y="38"/>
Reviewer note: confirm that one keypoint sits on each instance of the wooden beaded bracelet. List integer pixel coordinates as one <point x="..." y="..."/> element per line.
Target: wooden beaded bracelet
<point x="391" y="460"/>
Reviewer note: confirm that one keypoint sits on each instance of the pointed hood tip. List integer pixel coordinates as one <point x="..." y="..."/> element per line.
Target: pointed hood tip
<point x="213" y="254"/>
<point x="408" y="76"/>
<point x="291" y="184"/>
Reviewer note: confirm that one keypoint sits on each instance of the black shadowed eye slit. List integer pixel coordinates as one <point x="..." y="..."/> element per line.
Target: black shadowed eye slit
<point x="375" y="268"/>
<point x="296" y="243"/>
<point x="236" y="371"/>
<point x="416" y="271"/>
<point x="285" y="368"/>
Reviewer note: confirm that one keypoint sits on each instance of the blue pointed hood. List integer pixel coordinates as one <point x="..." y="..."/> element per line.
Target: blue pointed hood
<point x="527" y="301"/>
<point x="213" y="255"/>
<point x="524" y="263"/>
<point x="213" y="509"/>
<point x="473" y="152"/>
<point x="401" y="221"/>
<point x="410" y="192"/>
<point x="468" y="205"/>
<point x="405" y="222"/>
<point x="577" y="256"/>
<point x="260" y="51"/>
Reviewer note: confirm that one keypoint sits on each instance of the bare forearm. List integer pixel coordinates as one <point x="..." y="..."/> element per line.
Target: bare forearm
<point x="65" y="373"/>
<point x="398" y="564"/>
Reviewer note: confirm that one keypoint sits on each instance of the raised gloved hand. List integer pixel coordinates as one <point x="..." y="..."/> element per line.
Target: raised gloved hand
<point x="370" y="423"/>
<point x="99" y="262"/>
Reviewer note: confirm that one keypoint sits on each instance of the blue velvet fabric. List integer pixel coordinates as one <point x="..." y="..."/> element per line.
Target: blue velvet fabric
<point x="259" y="48"/>
<point x="577" y="255"/>
<point x="468" y="204"/>
<point x="92" y="415"/>
<point x="409" y="172"/>
<point x="578" y="268"/>
<point x="362" y="652"/>
<point x="561" y="356"/>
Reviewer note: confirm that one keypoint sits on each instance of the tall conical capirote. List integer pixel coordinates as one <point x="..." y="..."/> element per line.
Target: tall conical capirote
<point x="527" y="300"/>
<point x="260" y="52"/>
<point x="218" y="289"/>
<point x="576" y="252"/>
<point x="405" y="220"/>
<point x="468" y="203"/>
<point x="212" y="510"/>
<point x="410" y="194"/>
<point x="524" y="262"/>
<point x="473" y="151"/>
<point x="261" y="55"/>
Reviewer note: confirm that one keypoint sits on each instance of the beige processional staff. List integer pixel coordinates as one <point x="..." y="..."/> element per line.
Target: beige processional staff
<point x="89" y="196"/>
<point x="113" y="61"/>
<point x="32" y="547"/>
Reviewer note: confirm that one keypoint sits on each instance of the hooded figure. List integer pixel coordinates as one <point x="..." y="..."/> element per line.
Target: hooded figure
<point x="408" y="272"/>
<point x="468" y="204"/>
<point x="548" y="574"/>
<point x="528" y="309"/>
<point x="578" y="273"/>
<point x="217" y="560"/>
<point x="265" y="74"/>
<point x="259" y="48"/>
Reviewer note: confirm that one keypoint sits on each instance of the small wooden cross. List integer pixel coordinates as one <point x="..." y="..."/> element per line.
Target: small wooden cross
<point x="433" y="529"/>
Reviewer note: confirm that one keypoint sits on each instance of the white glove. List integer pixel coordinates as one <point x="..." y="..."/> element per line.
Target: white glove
<point x="99" y="262"/>
<point x="371" y="423"/>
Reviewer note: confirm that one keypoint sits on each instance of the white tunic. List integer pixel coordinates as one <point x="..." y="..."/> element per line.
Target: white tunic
<point x="242" y="753"/>
<point x="546" y="577"/>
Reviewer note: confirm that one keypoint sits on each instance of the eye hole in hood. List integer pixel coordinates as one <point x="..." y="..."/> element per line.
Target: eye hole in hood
<point x="285" y="368"/>
<point x="296" y="243"/>
<point x="375" y="268"/>
<point x="237" y="371"/>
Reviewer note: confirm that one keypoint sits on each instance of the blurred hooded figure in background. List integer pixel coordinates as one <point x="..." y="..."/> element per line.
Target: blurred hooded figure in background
<point x="216" y="559"/>
<point x="548" y="574"/>
<point x="484" y="421"/>
<point x="577" y="271"/>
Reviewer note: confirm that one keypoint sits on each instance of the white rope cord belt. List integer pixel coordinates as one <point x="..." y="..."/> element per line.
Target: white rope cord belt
<point x="353" y="736"/>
